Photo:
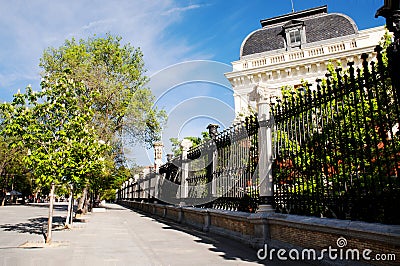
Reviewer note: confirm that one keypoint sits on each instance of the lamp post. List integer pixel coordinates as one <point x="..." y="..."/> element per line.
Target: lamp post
<point x="391" y="11"/>
<point x="213" y="130"/>
<point x="170" y="156"/>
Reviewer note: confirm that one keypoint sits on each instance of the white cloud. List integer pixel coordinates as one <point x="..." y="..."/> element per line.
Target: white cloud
<point x="28" y="27"/>
<point x="181" y="9"/>
<point x="98" y="24"/>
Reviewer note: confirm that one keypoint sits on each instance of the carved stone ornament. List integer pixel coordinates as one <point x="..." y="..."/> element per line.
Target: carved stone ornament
<point x="261" y="93"/>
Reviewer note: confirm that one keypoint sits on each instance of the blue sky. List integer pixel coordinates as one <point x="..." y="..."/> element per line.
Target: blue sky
<point x="208" y="34"/>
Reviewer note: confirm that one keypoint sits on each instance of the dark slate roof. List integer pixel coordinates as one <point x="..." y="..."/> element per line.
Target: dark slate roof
<point x="316" y="11"/>
<point x="318" y="26"/>
<point x="264" y="40"/>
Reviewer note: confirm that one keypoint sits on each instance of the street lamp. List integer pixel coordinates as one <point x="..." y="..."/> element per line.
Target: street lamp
<point x="391" y="11"/>
<point x="213" y="130"/>
<point x="170" y="156"/>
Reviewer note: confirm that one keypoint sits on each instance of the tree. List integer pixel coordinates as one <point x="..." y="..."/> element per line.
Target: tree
<point x="122" y="105"/>
<point x="13" y="173"/>
<point x="54" y="127"/>
<point x="176" y="143"/>
<point x="116" y="73"/>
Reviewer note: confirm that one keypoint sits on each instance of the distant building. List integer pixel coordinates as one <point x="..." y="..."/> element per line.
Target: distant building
<point x="297" y="46"/>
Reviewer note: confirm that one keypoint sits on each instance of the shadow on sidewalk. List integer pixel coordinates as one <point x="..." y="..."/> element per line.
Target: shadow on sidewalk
<point x="37" y="226"/>
<point x="63" y="206"/>
<point x="231" y="249"/>
<point x="227" y="248"/>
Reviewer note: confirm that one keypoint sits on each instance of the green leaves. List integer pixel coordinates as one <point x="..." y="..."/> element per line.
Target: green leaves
<point x="113" y="74"/>
<point x="54" y="125"/>
<point x="91" y="91"/>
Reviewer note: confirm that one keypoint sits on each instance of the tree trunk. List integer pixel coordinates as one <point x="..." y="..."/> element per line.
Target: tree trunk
<point x="12" y="188"/>
<point x="87" y="206"/>
<point x="50" y="219"/>
<point x="82" y="201"/>
<point x="4" y="200"/>
<point x="4" y="192"/>
<point x="68" y="221"/>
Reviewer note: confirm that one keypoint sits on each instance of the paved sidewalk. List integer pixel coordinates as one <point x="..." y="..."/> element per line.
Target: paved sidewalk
<point x="118" y="236"/>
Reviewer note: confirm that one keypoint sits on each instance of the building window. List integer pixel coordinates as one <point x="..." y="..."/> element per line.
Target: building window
<point x="295" y="34"/>
<point x="295" y="37"/>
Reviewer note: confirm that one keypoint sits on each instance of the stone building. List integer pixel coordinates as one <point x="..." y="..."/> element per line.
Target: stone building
<point x="295" y="47"/>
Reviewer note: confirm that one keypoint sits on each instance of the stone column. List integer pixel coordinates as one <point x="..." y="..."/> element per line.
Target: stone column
<point x="124" y="191"/>
<point x="136" y="180"/>
<point x="157" y="155"/>
<point x="148" y="181"/>
<point x="261" y="95"/>
<point x="212" y="160"/>
<point x="184" y="189"/>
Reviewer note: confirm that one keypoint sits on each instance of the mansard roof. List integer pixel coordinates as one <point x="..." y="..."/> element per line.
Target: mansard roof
<point x="319" y="26"/>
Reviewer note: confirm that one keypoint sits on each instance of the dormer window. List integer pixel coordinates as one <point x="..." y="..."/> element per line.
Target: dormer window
<point x="295" y="35"/>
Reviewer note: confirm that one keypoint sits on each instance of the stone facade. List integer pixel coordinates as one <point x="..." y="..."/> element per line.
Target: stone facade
<point x="295" y="47"/>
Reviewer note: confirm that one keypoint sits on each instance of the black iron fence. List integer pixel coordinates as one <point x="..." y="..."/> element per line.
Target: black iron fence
<point x="225" y="168"/>
<point x="337" y="148"/>
<point x="142" y="188"/>
<point x="219" y="173"/>
<point x="336" y="154"/>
